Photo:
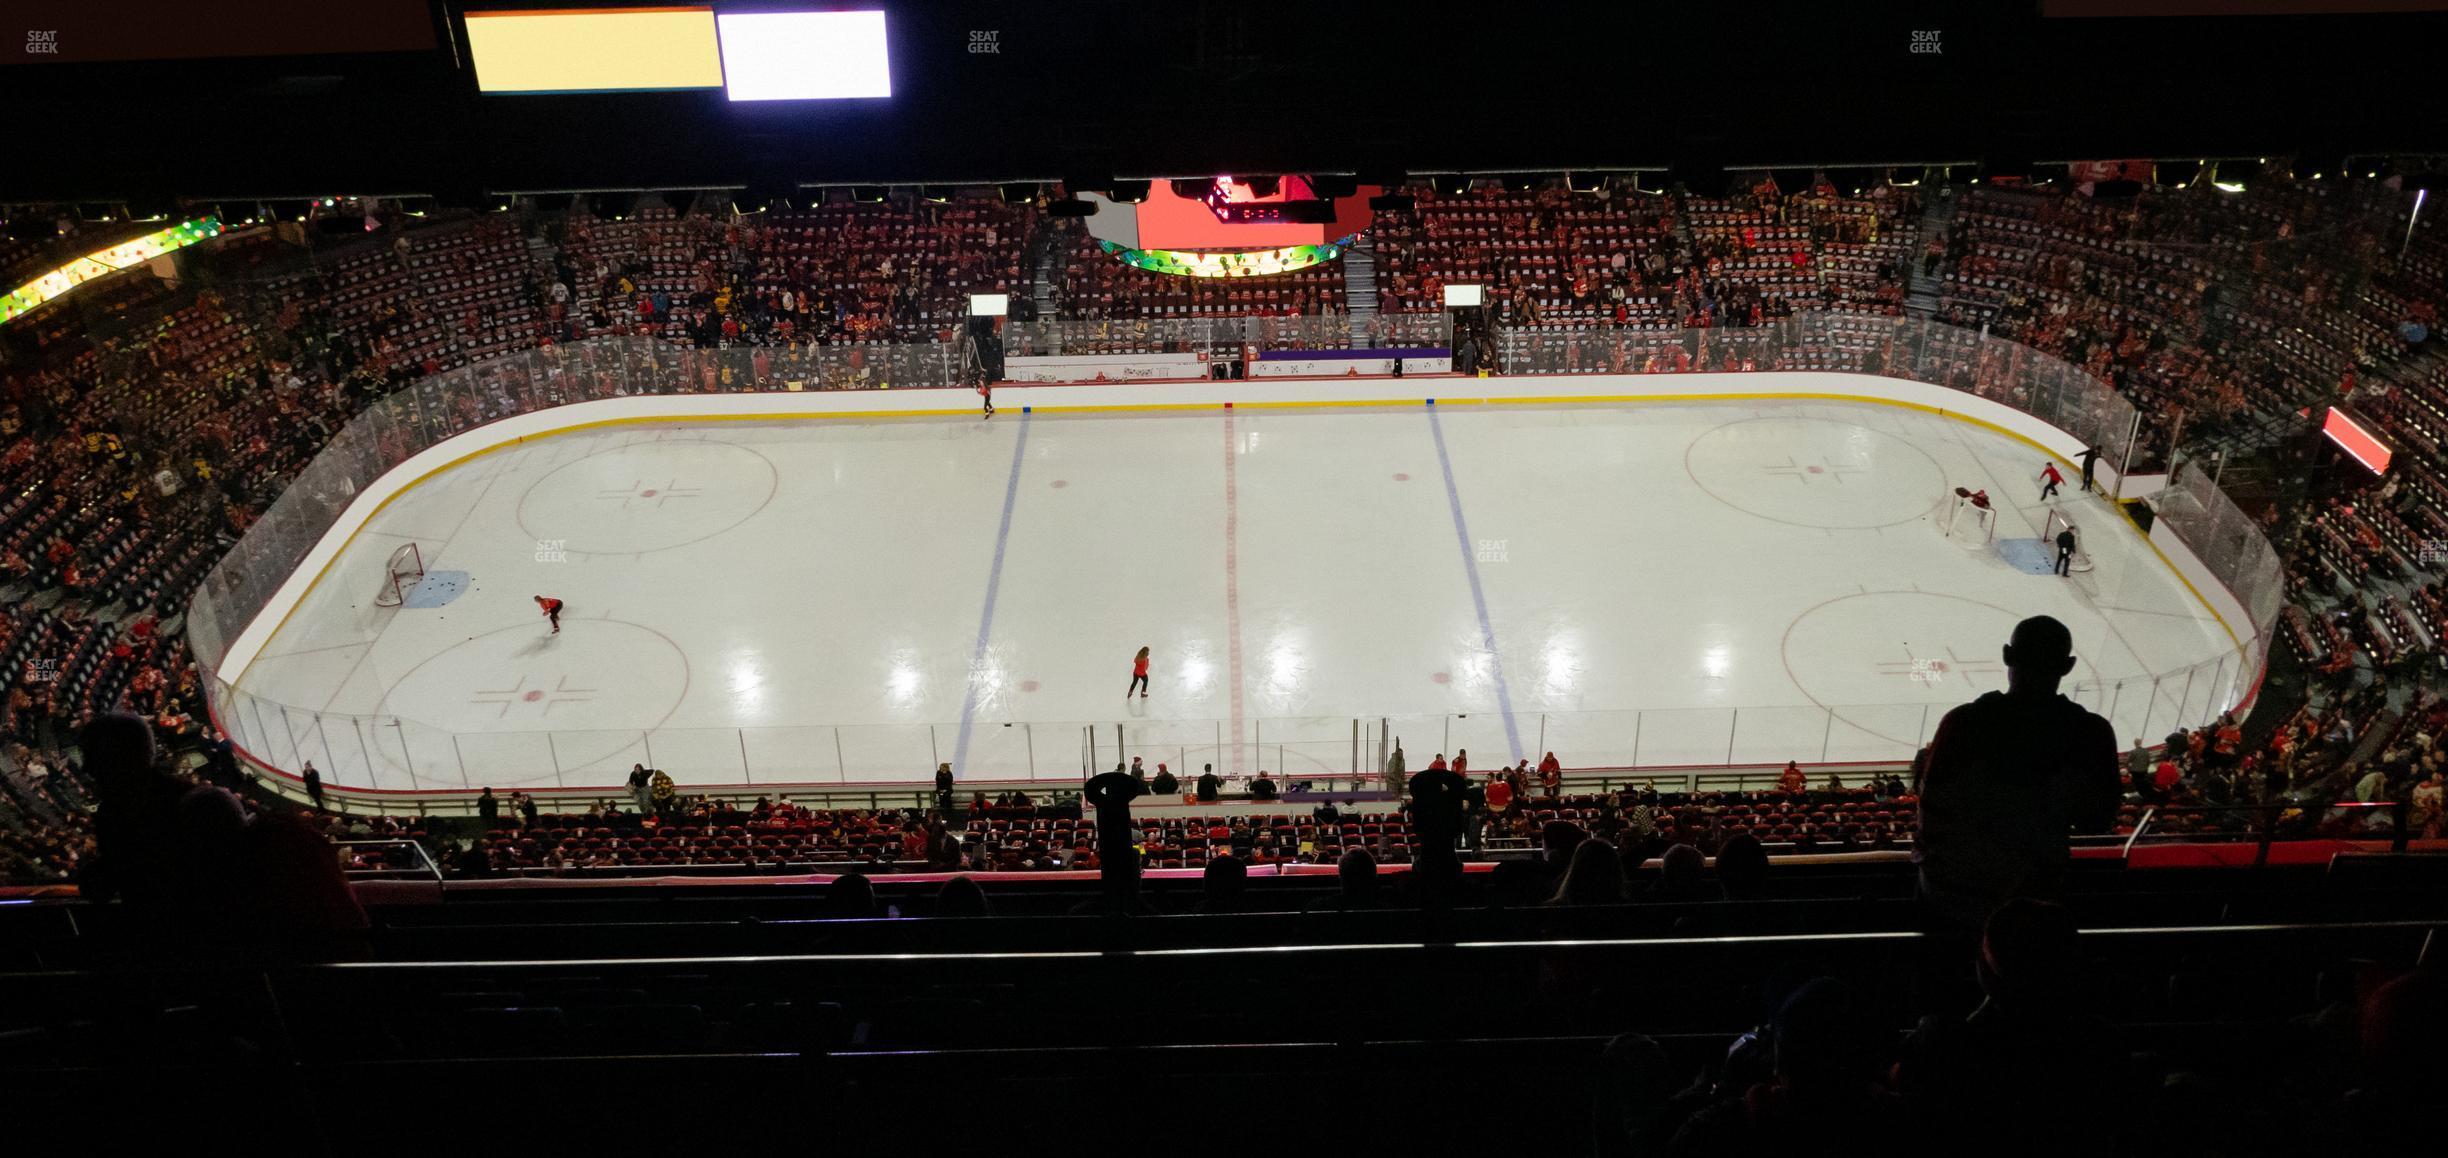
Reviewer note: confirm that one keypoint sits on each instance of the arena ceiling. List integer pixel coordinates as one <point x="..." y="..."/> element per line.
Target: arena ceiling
<point x="1138" y="88"/>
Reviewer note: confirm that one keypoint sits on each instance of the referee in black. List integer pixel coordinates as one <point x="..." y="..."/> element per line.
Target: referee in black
<point x="2090" y="458"/>
<point x="2065" y="552"/>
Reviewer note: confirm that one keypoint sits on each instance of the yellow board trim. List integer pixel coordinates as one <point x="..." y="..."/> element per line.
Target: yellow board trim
<point x="1151" y="407"/>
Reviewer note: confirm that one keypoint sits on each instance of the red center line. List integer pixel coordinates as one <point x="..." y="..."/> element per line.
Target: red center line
<point x="1232" y="590"/>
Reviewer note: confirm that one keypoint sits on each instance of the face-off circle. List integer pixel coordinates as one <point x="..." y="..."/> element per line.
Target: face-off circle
<point x="1815" y="472"/>
<point x="1937" y="651"/>
<point x="500" y="691"/>
<point x="652" y="497"/>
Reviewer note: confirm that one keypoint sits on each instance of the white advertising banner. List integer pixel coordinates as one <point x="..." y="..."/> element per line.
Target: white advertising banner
<point x="1103" y="367"/>
<point x="1326" y="365"/>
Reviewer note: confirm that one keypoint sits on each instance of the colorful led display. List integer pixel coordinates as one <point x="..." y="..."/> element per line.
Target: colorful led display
<point x="1248" y="263"/>
<point x="103" y="263"/>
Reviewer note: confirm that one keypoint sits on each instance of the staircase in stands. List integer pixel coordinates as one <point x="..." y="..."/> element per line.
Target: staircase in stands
<point x="1922" y="289"/>
<point x="1360" y="278"/>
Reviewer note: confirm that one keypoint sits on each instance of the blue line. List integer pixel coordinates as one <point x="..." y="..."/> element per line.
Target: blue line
<point x="994" y="584"/>
<point x="1470" y="565"/>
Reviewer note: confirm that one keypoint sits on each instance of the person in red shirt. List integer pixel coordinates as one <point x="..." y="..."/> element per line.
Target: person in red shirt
<point x="2050" y="478"/>
<point x="1499" y="792"/>
<point x="1792" y="779"/>
<point x="552" y="611"/>
<point x="1139" y="676"/>
<point x="1461" y="762"/>
<point x="1551" y="776"/>
<point x="2166" y="777"/>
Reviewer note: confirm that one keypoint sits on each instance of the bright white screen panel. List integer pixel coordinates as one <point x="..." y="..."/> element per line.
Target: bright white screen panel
<point x="804" y="56"/>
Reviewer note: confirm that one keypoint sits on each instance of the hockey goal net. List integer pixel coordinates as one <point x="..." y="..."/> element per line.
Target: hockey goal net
<point x="2057" y="521"/>
<point x="401" y="574"/>
<point x="1968" y="524"/>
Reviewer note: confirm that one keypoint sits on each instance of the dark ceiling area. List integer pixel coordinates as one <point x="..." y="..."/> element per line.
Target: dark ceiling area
<point x="1122" y="88"/>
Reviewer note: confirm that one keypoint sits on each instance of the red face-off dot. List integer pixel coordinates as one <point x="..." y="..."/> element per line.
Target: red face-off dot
<point x="1443" y="677"/>
<point x="1813" y="470"/>
<point x="532" y="697"/>
<point x="1401" y="477"/>
<point x="1060" y="483"/>
<point x="1028" y="685"/>
<point x="646" y="494"/>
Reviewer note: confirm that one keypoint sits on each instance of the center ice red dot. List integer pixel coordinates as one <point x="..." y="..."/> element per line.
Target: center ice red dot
<point x="650" y="494"/>
<point x="532" y="697"/>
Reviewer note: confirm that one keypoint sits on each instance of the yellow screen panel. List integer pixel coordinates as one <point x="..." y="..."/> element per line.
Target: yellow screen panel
<point x="562" y="50"/>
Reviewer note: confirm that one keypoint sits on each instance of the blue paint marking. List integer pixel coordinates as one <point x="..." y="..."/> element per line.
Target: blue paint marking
<point x="1470" y="565"/>
<point x="2030" y="556"/>
<point x="438" y="589"/>
<point x="994" y="584"/>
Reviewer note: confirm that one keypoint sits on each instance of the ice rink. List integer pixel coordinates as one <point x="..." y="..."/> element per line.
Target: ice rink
<point x="1654" y="583"/>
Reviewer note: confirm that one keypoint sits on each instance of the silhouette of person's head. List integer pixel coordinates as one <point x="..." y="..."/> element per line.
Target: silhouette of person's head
<point x="1681" y="867"/>
<point x="1826" y="1041"/>
<point x="1742" y="868"/>
<point x="2039" y="654"/>
<point x="1357" y="872"/>
<point x="119" y="754"/>
<point x="2029" y="953"/>
<point x="2403" y="1023"/>
<point x="1595" y="876"/>
<point x="1225" y="880"/>
<point x="961" y="897"/>
<point x="1559" y="838"/>
<point x="850" y="895"/>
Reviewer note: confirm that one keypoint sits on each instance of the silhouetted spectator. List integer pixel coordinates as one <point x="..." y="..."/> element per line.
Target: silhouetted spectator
<point x="138" y="856"/>
<point x="1111" y="794"/>
<point x="1356" y="873"/>
<point x="1828" y="1054"/>
<point x="2033" y="1054"/>
<point x="1680" y="878"/>
<point x="851" y="896"/>
<point x="1223" y="885"/>
<point x="1742" y="868"/>
<point x="2009" y="776"/>
<point x="488" y="809"/>
<point x="1595" y="877"/>
<point x="961" y="897"/>
<point x="1263" y="788"/>
<point x="1210" y="786"/>
<point x="1436" y="811"/>
<point x="314" y="786"/>
<point x="1164" y="783"/>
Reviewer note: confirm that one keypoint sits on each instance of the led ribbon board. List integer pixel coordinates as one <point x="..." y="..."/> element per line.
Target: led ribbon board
<point x="103" y="263"/>
<point x="2356" y="439"/>
<point x="1255" y="263"/>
